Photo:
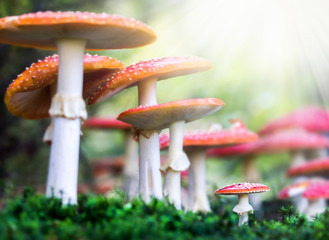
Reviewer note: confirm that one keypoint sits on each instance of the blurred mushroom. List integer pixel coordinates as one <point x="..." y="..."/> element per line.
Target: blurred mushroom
<point x="70" y="33"/>
<point x="243" y="190"/>
<point x="316" y="192"/>
<point x="131" y="152"/>
<point x="312" y="119"/>
<point x="173" y="115"/>
<point x="145" y="75"/>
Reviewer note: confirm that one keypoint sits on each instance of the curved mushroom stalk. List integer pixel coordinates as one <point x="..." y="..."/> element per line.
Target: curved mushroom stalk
<point x="131" y="167"/>
<point x="67" y="110"/>
<point x="243" y="208"/>
<point x="177" y="161"/>
<point x="149" y="148"/>
<point x="197" y="175"/>
<point x="315" y="207"/>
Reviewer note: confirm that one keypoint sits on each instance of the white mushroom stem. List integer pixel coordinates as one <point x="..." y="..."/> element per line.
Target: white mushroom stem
<point x="67" y="109"/>
<point x="149" y="148"/>
<point x="315" y="206"/>
<point x="131" y="166"/>
<point x="48" y="135"/>
<point x="250" y="170"/>
<point x="299" y="203"/>
<point x="177" y="161"/>
<point x="197" y="180"/>
<point x="242" y="208"/>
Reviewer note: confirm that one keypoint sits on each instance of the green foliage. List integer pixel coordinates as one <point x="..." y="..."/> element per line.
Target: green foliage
<point x="31" y="216"/>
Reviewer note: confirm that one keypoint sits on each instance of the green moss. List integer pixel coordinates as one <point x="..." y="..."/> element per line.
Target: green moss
<point x="31" y="216"/>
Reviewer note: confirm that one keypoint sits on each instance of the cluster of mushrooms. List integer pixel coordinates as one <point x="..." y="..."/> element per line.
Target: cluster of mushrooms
<point x="58" y="86"/>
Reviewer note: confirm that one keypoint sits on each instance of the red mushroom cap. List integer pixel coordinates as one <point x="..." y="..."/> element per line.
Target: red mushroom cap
<point x="285" y="193"/>
<point x="236" y="150"/>
<point x="106" y="123"/>
<point x="276" y="142"/>
<point x="157" y="117"/>
<point x="314" y="167"/>
<point x="160" y="68"/>
<point x="238" y="133"/>
<point x="314" y="119"/>
<point x="290" y="140"/>
<point x="102" y="31"/>
<point x="241" y="188"/>
<point x="317" y="189"/>
<point x="29" y="97"/>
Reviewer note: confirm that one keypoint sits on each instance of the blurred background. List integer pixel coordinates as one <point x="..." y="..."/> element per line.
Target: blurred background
<point x="269" y="58"/>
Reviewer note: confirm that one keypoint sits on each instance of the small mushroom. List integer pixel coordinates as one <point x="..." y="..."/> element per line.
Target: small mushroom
<point x="243" y="190"/>
<point x="173" y="115"/>
<point x="145" y="75"/>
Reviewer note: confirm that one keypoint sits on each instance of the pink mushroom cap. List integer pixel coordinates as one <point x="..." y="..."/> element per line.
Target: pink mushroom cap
<point x="314" y="167"/>
<point x="314" y="119"/>
<point x="317" y="189"/>
<point x="241" y="188"/>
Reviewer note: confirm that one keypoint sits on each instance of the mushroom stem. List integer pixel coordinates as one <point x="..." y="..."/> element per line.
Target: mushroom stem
<point x="149" y="148"/>
<point x="297" y="158"/>
<point x="131" y="166"/>
<point x="67" y="110"/>
<point x="316" y="206"/>
<point x="242" y="208"/>
<point x="177" y="161"/>
<point x="48" y="135"/>
<point x="197" y="172"/>
<point x="250" y="170"/>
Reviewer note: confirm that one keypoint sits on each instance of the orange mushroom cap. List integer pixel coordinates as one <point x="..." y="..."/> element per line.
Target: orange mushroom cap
<point x="241" y="188"/>
<point x="28" y="96"/>
<point x="157" y="117"/>
<point x="160" y="68"/>
<point x="102" y="31"/>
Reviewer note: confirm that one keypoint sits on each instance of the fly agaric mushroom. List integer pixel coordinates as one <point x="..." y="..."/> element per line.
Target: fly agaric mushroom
<point x="316" y="167"/>
<point x="29" y="96"/>
<point x="145" y="75"/>
<point x="312" y="119"/>
<point x="243" y="190"/>
<point x="131" y="151"/>
<point x="70" y="33"/>
<point x="316" y="193"/>
<point x="173" y="115"/>
<point x="293" y="189"/>
<point x="196" y="145"/>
